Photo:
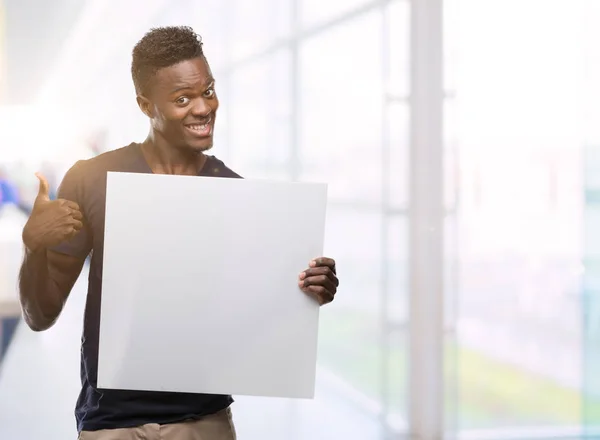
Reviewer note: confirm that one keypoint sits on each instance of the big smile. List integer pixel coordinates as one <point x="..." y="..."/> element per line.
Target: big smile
<point x="203" y="129"/>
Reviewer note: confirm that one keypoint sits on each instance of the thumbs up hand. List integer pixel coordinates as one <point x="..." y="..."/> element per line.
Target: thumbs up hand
<point x="51" y="222"/>
<point x="44" y="191"/>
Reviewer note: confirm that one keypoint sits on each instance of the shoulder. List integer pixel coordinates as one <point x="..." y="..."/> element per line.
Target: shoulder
<point x="109" y="161"/>
<point x="121" y="159"/>
<point x="218" y="169"/>
<point x="90" y="173"/>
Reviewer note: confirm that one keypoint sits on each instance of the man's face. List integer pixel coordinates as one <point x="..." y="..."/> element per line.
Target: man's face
<point x="182" y="104"/>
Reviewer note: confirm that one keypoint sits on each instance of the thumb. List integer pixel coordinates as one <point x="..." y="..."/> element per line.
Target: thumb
<point x="44" y="191"/>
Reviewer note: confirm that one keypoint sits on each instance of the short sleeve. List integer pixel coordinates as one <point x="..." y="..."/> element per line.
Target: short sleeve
<point x="72" y="189"/>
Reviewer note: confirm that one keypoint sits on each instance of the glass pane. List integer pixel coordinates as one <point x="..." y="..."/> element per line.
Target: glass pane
<point x="341" y="109"/>
<point x="591" y="268"/>
<point x="520" y="219"/>
<point x="316" y="11"/>
<point x="519" y="315"/>
<point x="396" y="382"/>
<point x="591" y="291"/>
<point x="394" y="343"/>
<point x="451" y="48"/>
<point x="398" y="126"/>
<point x="591" y="88"/>
<point x="258" y="124"/>
<point x="451" y="155"/>
<point x="255" y="25"/>
<point x="170" y="16"/>
<point x="398" y="16"/>
<point x="350" y="332"/>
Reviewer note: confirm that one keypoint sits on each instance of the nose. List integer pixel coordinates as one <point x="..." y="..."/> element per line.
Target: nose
<point x="201" y="108"/>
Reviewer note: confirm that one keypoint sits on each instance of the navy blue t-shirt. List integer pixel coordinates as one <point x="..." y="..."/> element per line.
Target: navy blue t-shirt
<point x="85" y="184"/>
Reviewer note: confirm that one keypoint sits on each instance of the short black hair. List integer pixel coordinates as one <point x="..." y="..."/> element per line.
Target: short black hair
<point x="162" y="47"/>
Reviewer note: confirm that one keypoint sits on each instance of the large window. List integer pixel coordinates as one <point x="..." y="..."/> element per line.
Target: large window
<point x="259" y="117"/>
<point x="330" y="105"/>
<point x="591" y="182"/>
<point x="255" y="26"/>
<point x="341" y="109"/>
<point x="520" y="224"/>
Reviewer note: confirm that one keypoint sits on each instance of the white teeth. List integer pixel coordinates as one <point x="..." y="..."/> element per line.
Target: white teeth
<point x="198" y="127"/>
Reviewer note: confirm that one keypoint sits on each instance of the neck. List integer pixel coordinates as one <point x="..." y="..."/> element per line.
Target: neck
<point x="164" y="158"/>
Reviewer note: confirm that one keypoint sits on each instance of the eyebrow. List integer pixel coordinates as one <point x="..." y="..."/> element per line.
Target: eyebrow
<point x="209" y="81"/>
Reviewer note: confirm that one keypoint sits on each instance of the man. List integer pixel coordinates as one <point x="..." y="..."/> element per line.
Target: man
<point x="176" y="91"/>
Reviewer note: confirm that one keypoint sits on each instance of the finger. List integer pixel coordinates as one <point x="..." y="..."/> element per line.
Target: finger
<point x="73" y="229"/>
<point x="322" y="295"/>
<point x="70" y="209"/>
<point x="323" y="261"/>
<point x="44" y="190"/>
<point x="77" y="225"/>
<point x="315" y="271"/>
<point x="77" y="215"/>
<point x="320" y="280"/>
<point x="69" y="204"/>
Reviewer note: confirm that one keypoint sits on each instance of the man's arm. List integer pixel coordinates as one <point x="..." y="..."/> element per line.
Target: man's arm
<point x="47" y="276"/>
<point x="45" y="282"/>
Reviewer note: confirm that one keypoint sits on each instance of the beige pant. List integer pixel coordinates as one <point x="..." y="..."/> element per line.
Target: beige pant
<point x="218" y="426"/>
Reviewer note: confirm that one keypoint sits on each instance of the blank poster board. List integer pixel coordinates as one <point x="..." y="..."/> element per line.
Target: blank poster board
<point x="200" y="285"/>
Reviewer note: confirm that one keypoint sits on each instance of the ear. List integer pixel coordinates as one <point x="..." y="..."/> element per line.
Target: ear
<point x="145" y="106"/>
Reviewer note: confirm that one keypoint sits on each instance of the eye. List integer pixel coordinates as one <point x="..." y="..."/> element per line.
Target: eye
<point x="184" y="100"/>
<point x="209" y="93"/>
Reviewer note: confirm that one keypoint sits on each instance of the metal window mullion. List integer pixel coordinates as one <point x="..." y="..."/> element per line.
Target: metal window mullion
<point x="227" y="77"/>
<point x="385" y="225"/>
<point x="294" y="45"/>
<point x="426" y="214"/>
<point x="294" y="165"/>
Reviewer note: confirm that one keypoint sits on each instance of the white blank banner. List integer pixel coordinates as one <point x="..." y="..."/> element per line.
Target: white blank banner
<point x="200" y="285"/>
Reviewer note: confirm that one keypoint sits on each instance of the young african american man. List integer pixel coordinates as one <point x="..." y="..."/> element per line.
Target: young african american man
<point x="176" y="91"/>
